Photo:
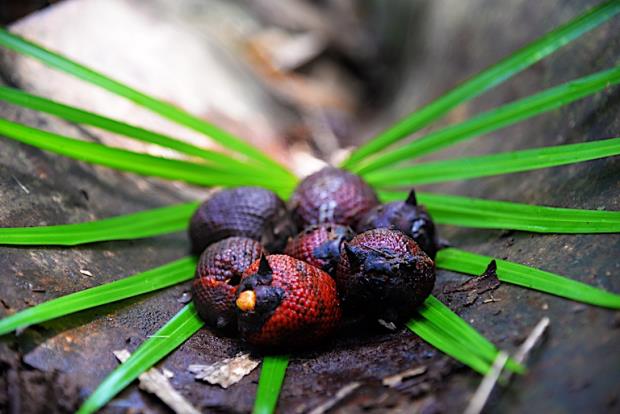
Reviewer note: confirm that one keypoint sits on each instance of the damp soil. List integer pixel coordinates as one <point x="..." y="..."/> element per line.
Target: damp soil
<point x="53" y="366"/>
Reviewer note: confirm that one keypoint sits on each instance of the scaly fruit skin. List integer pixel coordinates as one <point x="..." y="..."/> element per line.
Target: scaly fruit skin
<point x="406" y="216"/>
<point x="252" y="212"/>
<point x="291" y="303"/>
<point x="320" y="245"/>
<point x="331" y="196"/>
<point x="218" y="273"/>
<point x="384" y="274"/>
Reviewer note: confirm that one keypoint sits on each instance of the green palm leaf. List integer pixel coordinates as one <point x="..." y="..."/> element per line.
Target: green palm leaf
<point x="138" y="163"/>
<point x="269" y="383"/>
<point x="488" y="78"/>
<point x="492" y="214"/>
<point x="162" y="108"/>
<point x="450" y="327"/>
<point x="154" y="279"/>
<point x="497" y="118"/>
<point x="126" y="227"/>
<point x="529" y="277"/>
<point x="439" y="339"/>
<point x="182" y="326"/>
<point x="80" y="116"/>
<point x="496" y="164"/>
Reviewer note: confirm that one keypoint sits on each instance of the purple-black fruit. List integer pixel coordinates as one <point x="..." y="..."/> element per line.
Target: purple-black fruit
<point x="331" y="195"/>
<point x="406" y="216"/>
<point x="384" y="274"/>
<point x="320" y="245"/>
<point x="252" y="212"/>
<point x="218" y="274"/>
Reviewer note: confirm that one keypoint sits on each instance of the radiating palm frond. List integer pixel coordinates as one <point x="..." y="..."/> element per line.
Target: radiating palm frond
<point x="492" y="214"/>
<point x="529" y="277"/>
<point x="495" y="164"/>
<point x="496" y="118"/>
<point x="180" y="328"/>
<point x="269" y="383"/>
<point x="154" y="279"/>
<point x="57" y="61"/>
<point x="125" y="227"/>
<point x="80" y="116"/>
<point x="135" y="162"/>
<point x="487" y="79"/>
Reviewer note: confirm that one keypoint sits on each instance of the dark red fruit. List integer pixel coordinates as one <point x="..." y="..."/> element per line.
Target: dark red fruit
<point x="320" y="245"/>
<point x="282" y="301"/>
<point x="406" y="216"/>
<point x="331" y="196"/>
<point x="244" y="211"/>
<point x="384" y="274"/>
<point x="218" y="273"/>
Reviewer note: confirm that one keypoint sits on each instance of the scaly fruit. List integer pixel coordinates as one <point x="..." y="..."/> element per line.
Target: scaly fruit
<point x="406" y="216"/>
<point x="384" y="274"/>
<point x="331" y="196"/>
<point x="282" y="301"/>
<point x="218" y="273"/>
<point x="244" y="211"/>
<point x="320" y="245"/>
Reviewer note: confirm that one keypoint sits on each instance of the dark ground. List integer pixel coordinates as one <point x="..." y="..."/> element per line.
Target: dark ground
<point x="577" y="369"/>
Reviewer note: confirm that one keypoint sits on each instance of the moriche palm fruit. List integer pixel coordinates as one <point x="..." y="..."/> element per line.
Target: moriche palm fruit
<point x="282" y="301"/>
<point x="406" y="216"/>
<point x="252" y="212"/>
<point x="218" y="273"/>
<point x="384" y="274"/>
<point x="320" y="245"/>
<point x="331" y="195"/>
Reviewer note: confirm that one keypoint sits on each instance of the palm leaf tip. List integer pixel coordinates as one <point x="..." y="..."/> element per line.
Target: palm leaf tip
<point x="473" y="264"/>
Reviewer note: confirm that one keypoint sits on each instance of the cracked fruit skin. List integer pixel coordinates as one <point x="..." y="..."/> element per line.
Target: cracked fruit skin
<point x="252" y="212"/>
<point x="384" y="274"/>
<point x="406" y="216"/>
<point x="331" y="195"/>
<point x="320" y="245"/>
<point x="282" y="301"/>
<point x="218" y="273"/>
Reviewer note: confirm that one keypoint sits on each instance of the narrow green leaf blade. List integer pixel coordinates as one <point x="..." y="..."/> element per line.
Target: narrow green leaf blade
<point x="474" y="264"/>
<point x="135" y="162"/>
<point x="493" y="214"/>
<point x="496" y="164"/>
<point x="170" y="274"/>
<point x="182" y="326"/>
<point x="495" y="119"/>
<point x="125" y="227"/>
<point x="460" y="331"/>
<point x="80" y="116"/>
<point x="269" y="383"/>
<point x="55" y="60"/>
<point x="428" y="331"/>
<point x="489" y="78"/>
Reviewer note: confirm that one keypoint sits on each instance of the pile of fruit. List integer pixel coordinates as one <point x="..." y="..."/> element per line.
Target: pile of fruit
<point x="354" y="258"/>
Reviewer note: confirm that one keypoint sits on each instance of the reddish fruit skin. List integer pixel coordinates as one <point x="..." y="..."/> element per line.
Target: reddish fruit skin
<point x="218" y="273"/>
<point x="320" y="245"/>
<point x="384" y="274"/>
<point x="252" y="212"/>
<point x="296" y="303"/>
<point x="406" y="216"/>
<point x="331" y="196"/>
